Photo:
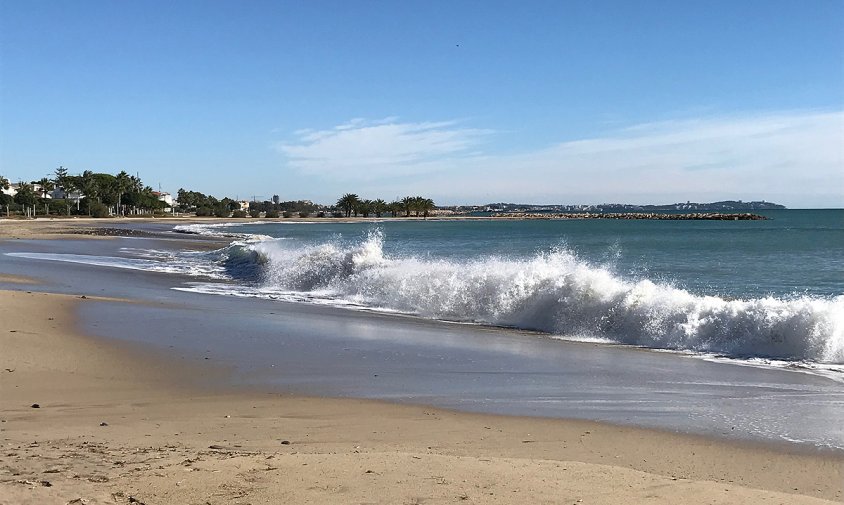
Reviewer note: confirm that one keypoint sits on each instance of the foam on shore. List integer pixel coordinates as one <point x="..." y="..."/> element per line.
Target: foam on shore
<point x="552" y="291"/>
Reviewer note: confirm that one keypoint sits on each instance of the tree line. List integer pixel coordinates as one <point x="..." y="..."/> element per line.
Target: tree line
<point x="208" y="205"/>
<point x="104" y="194"/>
<point x="351" y="203"/>
<point x="99" y="194"/>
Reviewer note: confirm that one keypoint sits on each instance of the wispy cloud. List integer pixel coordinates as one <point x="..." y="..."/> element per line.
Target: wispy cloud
<point x="793" y="156"/>
<point x="367" y="150"/>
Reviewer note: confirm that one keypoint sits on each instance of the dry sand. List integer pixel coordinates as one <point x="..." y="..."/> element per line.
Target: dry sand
<point x="46" y="228"/>
<point x="116" y="424"/>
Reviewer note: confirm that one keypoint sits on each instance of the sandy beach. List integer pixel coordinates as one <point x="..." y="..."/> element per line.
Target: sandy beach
<point x="117" y="422"/>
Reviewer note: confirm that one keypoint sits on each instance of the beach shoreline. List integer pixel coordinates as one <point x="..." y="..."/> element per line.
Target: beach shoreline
<point x="57" y="226"/>
<point x="119" y="421"/>
<point x="205" y="443"/>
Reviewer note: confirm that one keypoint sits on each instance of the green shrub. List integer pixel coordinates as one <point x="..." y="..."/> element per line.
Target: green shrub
<point x="287" y="214"/>
<point x="222" y="211"/>
<point x="239" y="213"/>
<point x="272" y="214"/>
<point x="98" y="210"/>
<point x="255" y="213"/>
<point x="304" y="214"/>
<point x="204" y="211"/>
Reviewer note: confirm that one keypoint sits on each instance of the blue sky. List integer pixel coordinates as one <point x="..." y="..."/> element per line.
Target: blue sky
<point x="466" y="102"/>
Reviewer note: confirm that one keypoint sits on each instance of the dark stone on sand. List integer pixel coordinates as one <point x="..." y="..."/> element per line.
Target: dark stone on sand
<point x="285" y="442"/>
<point x="103" y="423"/>
<point x="36" y="406"/>
<point x="113" y="232"/>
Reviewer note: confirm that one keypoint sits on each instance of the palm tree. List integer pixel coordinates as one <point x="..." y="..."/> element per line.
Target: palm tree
<point x="25" y="196"/>
<point x="122" y="182"/>
<point x="135" y="184"/>
<point x="427" y="205"/>
<point x="349" y="203"/>
<point x="395" y="207"/>
<point x="46" y="186"/>
<point x="365" y="207"/>
<point x="379" y="207"/>
<point x="416" y="203"/>
<point x="89" y="187"/>
<point x="407" y="204"/>
<point x="133" y="192"/>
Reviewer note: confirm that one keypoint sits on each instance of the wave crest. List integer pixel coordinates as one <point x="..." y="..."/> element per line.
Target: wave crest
<point x="558" y="293"/>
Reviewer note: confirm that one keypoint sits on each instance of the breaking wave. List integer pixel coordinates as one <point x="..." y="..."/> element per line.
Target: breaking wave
<point x="554" y="292"/>
<point x="221" y="230"/>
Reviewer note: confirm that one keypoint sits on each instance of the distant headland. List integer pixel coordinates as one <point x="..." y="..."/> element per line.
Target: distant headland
<point x="658" y="216"/>
<point x="124" y="195"/>
<point x="722" y="206"/>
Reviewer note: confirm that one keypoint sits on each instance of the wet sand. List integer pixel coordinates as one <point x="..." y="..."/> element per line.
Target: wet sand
<point x="116" y="423"/>
<point x="121" y="422"/>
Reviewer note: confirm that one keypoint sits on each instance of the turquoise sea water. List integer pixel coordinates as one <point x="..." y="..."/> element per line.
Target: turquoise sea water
<point x="745" y="289"/>
<point x="795" y="252"/>
<point x="769" y="290"/>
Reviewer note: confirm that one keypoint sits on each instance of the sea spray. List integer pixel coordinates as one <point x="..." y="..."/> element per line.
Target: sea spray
<point x="555" y="292"/>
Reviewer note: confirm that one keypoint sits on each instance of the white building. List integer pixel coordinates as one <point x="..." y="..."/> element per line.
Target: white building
<point x="165" y="197"/>
<point x="59" y="194"/>
<point x="36" y="188"/>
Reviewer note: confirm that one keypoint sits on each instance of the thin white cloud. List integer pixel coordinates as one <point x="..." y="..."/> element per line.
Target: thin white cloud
<point x="798" y="153"/>
<point x="796" y="157"/>
<point x="367" y="150"/>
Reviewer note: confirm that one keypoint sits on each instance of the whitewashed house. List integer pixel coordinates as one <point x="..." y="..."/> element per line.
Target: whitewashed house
<point x="11" y="191"/>
<point x="165" y="197"/>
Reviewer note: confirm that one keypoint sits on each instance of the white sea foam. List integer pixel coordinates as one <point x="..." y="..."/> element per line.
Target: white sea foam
<point x="558" y="293"/>
<point x="218" y="230"/>
<point x="171" y="265"/>
<point x="554" y="292"/>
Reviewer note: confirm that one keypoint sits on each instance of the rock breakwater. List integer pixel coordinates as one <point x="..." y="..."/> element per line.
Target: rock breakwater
<point x="690" y="216"/>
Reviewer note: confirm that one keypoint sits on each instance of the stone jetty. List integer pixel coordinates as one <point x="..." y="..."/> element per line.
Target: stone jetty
<point x="690" y="216"/>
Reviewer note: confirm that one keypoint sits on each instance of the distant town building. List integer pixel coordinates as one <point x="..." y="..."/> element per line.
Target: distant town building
<point x="276" y="199"/>
<point x="244" y="204"/>
<point x="12" y="191"/>
<point x="164" y="197"/>
<point x="60" y="194"/>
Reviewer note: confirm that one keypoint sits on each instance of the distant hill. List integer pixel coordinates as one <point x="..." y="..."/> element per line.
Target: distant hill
<point x="726" y="205"/>
<point x="731" y="205"/>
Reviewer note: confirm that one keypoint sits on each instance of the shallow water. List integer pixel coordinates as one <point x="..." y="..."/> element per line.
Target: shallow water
<point x="316" y="348"/>
<point x="749" y="290"/>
